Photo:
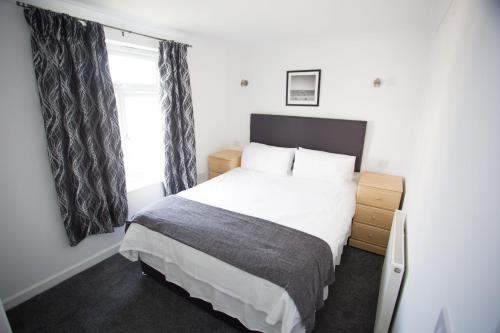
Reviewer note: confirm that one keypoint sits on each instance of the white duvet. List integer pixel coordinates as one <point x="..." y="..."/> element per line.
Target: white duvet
<point x="322" y="209"/>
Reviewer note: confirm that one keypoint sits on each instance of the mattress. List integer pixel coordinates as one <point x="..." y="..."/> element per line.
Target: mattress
<point x="319" y="208"/>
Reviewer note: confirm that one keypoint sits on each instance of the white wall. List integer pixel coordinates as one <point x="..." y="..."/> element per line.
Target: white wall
<point x="34" y="250"/>
<point x="453" y="193"/>
<point x="349" y="64"/>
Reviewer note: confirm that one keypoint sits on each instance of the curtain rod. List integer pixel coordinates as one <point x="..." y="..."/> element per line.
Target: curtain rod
<point x="27" y="5"/>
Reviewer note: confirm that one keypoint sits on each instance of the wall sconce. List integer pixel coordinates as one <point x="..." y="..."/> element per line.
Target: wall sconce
<point x="244" y="83"/>
<point x="377" y="83"/>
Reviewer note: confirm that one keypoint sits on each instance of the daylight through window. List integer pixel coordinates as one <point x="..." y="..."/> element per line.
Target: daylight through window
<point x="135" y="79"/>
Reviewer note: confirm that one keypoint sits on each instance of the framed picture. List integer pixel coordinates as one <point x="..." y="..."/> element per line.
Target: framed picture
<point x="302" y="87"/>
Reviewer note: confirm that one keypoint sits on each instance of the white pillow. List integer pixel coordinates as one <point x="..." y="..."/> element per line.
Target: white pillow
<point x="269" y="159"/>
<point x="320" y="165"/>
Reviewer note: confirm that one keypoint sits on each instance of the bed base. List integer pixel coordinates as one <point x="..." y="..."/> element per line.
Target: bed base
<point x="206" y="306"/>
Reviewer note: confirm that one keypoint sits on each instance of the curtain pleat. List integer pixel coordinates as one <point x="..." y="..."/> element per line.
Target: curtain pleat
<point x="81" y="122"/>
<point x="177" y="109"/>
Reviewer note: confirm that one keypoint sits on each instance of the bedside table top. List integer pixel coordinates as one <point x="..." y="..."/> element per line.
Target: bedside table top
<point x="383" y="181"/>
<point x="228" y="154"/>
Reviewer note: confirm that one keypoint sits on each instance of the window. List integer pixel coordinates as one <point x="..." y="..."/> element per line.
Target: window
<point x="136" y="82"/>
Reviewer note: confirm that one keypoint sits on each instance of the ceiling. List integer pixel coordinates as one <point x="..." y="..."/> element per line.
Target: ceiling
<point x="251" y="21"/>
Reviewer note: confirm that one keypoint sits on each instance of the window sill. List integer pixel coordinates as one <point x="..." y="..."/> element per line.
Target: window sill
<point x="142" y="185"/>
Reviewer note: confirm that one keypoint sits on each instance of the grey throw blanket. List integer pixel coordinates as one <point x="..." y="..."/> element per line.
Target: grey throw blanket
<point x="298" y="262"/>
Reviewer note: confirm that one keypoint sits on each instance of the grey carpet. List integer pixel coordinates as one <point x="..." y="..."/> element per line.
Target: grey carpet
<point x="114" y="296"/>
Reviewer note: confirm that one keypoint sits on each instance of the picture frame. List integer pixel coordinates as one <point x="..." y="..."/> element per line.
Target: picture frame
<point x="303" y="87"/>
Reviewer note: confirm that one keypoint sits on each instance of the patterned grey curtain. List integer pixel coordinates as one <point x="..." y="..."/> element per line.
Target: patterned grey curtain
<point x="177" y="109"/>
<point x="81" y="122"/>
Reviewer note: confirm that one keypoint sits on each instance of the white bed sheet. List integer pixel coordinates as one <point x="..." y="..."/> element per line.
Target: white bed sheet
<point x="319" y="208"/>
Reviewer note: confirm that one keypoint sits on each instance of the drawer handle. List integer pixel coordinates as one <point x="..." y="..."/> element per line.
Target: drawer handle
<point x="378" y="198"/>
<point x="373" y="218"/>
<point x="370" y="235"/>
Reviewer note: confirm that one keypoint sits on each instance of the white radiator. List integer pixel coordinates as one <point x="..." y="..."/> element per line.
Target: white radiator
<point x="392" y="274"/>
<point x="4" y="323"/>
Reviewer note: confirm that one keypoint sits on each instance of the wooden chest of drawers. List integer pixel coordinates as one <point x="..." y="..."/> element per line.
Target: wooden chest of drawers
<point x="223" y="161"/>
<point x="378" y="197"/>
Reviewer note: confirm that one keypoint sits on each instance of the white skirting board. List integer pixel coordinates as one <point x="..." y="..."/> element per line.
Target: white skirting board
<point x="392" y="274"/>
<point x="55" y="279"/>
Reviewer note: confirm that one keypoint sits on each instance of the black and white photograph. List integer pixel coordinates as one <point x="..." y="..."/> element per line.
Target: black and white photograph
<point x="302" y="87"/>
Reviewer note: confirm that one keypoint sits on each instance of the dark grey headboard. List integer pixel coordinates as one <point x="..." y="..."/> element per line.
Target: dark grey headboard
<point x="330" y="135"/>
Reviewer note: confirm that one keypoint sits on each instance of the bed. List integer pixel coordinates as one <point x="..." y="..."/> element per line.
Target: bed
<point x="310" y="206"/>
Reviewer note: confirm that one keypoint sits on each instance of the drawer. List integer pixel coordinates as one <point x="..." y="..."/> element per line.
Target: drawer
<point x="220" y="165"/>
<point x="374" y="216"/>
<point x="378" y="198"/>
<point x="369" y="234"/>
<point x="367" y="246"/>
<point x="212" y="174"/>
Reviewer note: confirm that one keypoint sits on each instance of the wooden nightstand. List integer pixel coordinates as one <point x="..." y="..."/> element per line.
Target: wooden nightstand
<point x="223" y="161"/>
<point x="378" y="197"/>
